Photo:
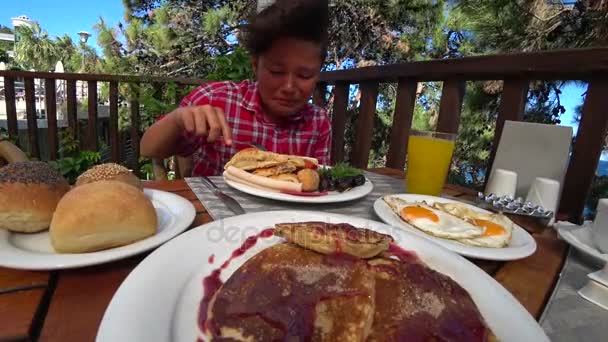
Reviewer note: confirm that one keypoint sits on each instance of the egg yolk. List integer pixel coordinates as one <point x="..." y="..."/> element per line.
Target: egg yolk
<point x="492" y="228"/>
<point x="413" y="213"/>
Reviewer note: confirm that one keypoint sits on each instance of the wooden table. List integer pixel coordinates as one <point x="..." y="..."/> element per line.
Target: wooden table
<point x="68" y="305"/>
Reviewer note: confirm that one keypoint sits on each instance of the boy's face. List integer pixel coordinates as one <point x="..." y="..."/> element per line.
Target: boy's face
<point x="287" y="74"/>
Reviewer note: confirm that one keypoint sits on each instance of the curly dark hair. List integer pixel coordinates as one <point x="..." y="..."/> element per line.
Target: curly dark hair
<point x="299" y="19"/>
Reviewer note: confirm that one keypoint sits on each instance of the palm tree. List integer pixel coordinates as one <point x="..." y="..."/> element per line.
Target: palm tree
<point x="35" y="49"/>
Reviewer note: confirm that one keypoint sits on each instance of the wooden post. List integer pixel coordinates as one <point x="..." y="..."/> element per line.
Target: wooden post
<point x="113" y="123"/>
<point x="11" y="108"/>
<point x="92" y="139"/>
<point x="365" y="125"/>
<point x="587" y="150"/>
<point x="402" y="123"/>
<point x="51" y="116"/>
<point x="338" y="121"/>
<point x="450" y="106"/>
<point x="72" y="107"/>
<point x="32" y="121"/>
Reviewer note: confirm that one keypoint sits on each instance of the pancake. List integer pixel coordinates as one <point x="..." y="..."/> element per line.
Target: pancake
<point x="288" y="293"/>
<point x="330" y="238"/>
<point x="416" y="303"/>
<point x="310" y="291"/>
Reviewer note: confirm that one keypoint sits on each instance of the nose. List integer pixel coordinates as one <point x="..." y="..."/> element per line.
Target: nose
<point x="289" y="85"/>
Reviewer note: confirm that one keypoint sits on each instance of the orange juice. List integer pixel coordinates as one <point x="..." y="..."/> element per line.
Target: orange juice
<point x="429" y="158"/>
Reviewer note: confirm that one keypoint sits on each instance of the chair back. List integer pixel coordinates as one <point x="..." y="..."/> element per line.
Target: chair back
<point x="533" y="150"/>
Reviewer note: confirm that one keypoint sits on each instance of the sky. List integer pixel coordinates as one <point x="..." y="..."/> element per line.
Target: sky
<point x="59" y="17"/>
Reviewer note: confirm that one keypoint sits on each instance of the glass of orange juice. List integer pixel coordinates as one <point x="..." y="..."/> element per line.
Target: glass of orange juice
<point x="428" y="161"/>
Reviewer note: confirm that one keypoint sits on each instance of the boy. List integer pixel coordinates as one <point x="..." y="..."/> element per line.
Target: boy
<point x="287" y="42"/>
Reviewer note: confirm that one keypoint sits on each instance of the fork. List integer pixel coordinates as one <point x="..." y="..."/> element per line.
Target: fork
<point x="230" y="202"/>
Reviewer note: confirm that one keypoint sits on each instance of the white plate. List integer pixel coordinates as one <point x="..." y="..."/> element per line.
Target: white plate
<point x="331" y="197"/>
<point x="522" y="244"/>
<point x="34" y="251"/>
<point x="159" y="300"/>
<point x="580" y="238"/>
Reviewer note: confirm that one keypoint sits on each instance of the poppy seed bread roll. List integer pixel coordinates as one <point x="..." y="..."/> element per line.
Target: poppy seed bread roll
<point x="101" y="215"/>
<point x="108" y="171"/>
<point x="29" y="193"/>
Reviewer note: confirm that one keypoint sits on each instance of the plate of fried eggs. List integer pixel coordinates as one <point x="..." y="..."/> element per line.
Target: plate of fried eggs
<point x="457" y="226"/>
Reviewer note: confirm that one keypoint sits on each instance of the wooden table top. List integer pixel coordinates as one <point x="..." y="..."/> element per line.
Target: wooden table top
<point x="68" y="305"/>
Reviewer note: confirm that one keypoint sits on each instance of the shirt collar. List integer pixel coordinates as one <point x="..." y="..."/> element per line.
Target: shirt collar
<point x="251" y="101"/>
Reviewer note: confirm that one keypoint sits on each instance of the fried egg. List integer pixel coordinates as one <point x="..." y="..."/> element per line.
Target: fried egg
<point x="498" y="228"/>
<point x="433" y="221"/>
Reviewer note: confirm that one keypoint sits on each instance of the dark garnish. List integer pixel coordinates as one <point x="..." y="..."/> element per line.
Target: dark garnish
<point x="358" y="180"/>
<point x="341" y="177"/>
<point x="344" y="183"/>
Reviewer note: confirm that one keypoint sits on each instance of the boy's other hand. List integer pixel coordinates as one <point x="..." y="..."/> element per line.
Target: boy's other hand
<point x="204" y="120"/>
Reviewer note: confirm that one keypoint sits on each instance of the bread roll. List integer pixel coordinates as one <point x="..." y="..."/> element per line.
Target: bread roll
<point x="108" y="171"/>
<point x="29" y="193"/>
<point x="101" y="215"/>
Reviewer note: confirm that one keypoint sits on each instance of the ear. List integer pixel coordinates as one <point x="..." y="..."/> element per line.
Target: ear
<point x="254" y="65"/>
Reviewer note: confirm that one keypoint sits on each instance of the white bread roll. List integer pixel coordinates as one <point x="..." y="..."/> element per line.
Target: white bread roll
<point x="101" y="215"/>
<point x="108" y="171"/>
<point x="29" y="193"/>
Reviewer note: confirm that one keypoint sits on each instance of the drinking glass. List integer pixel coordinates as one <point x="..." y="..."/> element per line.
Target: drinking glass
<point x="429" y="159"/>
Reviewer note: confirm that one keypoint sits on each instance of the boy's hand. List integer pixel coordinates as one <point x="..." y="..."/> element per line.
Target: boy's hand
<point x="204" y="120"/>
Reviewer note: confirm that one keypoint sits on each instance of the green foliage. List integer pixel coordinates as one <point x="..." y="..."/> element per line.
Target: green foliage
<point x="235" y="66"/>
<point x="4" y="56"/>
<point x="36" y="50"/>
<point x="341" y="170"/>
<point x="72" y="167"/>
<point x="73" y="162"/>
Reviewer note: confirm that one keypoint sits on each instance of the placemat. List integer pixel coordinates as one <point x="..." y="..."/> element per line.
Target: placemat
<point x="568" y="316"/>
<point x="362" y="207"/>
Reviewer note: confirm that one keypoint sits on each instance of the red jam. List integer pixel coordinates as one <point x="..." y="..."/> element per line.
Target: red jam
<point x="213" y="282"/>
<point x="403" y="255"/>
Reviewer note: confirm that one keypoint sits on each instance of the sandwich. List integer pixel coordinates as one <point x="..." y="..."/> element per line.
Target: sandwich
<point x="273" y="171"/>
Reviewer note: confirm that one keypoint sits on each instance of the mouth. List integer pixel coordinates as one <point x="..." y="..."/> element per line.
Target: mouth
<point x="285" y="103"/>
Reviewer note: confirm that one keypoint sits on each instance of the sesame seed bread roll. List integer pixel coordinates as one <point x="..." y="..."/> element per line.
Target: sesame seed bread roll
<point x="109" y="171"/>
<point x="29" y="193"/>
<point x="101" y="215"/>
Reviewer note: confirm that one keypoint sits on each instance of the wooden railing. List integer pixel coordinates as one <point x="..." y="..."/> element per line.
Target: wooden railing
<point x="516" y="70"/>
<point x="91" y="137"/>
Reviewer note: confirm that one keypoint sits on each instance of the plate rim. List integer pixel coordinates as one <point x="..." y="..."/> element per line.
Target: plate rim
<point x="485" y="253"/>
<point x="365" y="190"/>
<point x="75" y="260"/>
<point x="180" y="245"/>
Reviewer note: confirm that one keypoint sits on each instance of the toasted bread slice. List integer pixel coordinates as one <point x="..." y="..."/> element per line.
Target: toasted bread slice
<point x="329" y="238"/>
<point x="289" y="177"/>
<point x="251" y="159"/>
<point x="275" y="170"/>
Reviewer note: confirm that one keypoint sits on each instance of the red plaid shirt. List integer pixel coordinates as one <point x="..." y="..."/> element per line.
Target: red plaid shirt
<point x="307" y="133"/>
